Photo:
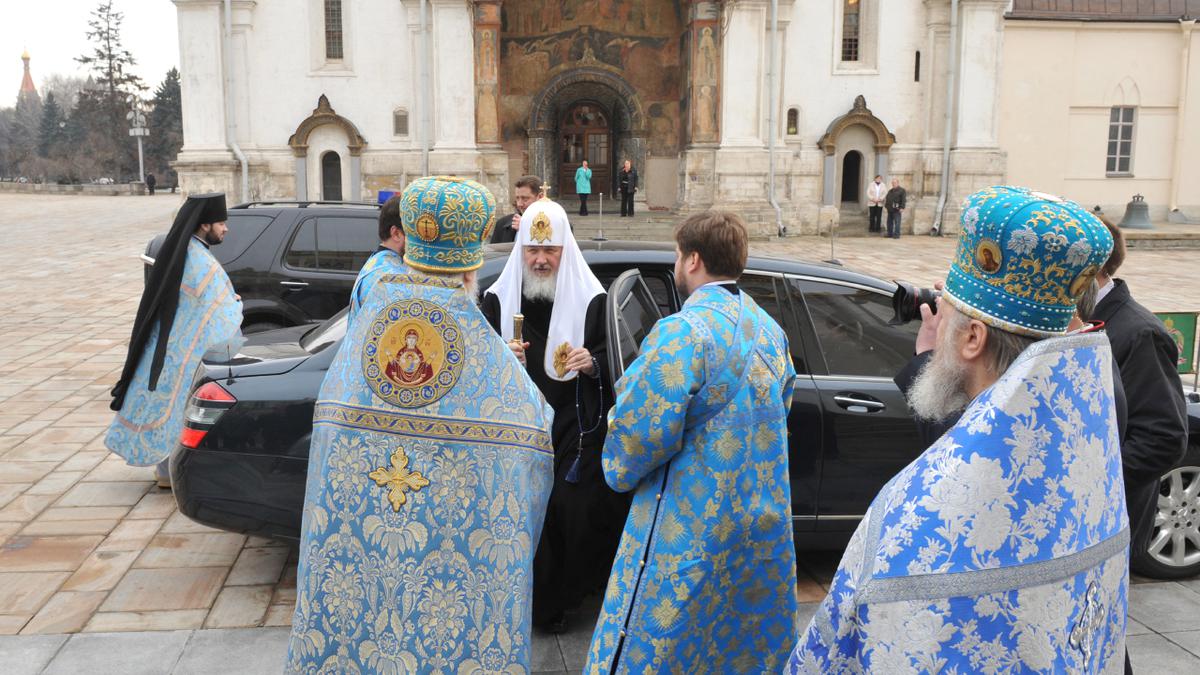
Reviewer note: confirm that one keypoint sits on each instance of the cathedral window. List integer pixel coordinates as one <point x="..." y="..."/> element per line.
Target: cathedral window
<point x="793" y="121"/>
<point x="851" y="27"/>
<point x="1120" y="140"/>
<point x="399" y="122"/>
<point x="333" y="30"/>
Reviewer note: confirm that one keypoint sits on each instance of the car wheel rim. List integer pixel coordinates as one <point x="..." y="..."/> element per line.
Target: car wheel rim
<point x="1175" y="541"/>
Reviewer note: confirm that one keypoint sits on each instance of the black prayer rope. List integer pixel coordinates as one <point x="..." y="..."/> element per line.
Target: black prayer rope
<point x="573" y="473"/>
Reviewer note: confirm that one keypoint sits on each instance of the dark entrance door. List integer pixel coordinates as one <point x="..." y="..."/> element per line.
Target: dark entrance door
<point x="331" y="176"/>
<point x="851" y="176"/>
<point x="583" y="134"/>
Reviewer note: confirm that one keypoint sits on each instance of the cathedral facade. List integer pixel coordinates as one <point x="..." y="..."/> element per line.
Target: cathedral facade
<point x="327" y="99"/>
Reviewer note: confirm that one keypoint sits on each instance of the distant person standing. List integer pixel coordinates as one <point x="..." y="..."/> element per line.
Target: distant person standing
<point x="895" y="202"/>
<point x="583" y="186"/>
<point x="150" y="183"/>
<point x="627" y="181"/>
<point x="876" y="192"/>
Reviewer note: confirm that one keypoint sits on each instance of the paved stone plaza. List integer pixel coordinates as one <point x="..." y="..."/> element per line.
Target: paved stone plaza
<point x="99" y="572"/>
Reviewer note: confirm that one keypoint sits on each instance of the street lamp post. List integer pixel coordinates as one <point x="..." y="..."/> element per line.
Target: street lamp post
<point x="137" y="120"/>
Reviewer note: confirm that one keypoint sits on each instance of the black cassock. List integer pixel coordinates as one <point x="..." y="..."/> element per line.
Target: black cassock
<point x="584" y="519"/>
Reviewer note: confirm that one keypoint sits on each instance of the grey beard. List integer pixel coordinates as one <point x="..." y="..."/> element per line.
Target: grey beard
<point x="939" y="390"/>
<point x="471" y="288"/>
<point x="534" y="287"/>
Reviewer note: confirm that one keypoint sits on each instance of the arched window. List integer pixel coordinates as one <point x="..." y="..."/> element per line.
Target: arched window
<point x="793" y="121"/>
<point x="399" y="122"/>
<point x="333" y="30"/>
<point x="851" y="29"/>
<point x="331" y="176"/>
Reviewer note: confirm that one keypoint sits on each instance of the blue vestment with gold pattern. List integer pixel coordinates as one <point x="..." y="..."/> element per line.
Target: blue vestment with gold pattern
<point x="1004" y="547"/>
<point x="705" y="575"/>
<point x="430" y="469"/>
<point x="209" y="317"/>
<point x="384" y="261"/>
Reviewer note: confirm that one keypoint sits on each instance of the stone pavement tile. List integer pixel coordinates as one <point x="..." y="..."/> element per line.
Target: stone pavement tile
<point x="56" y="483"/>
<point x="808" y="590"/>
<point x="156" y="504"/>
<point x="84" y="513"/>
<point x="10" y="491"/>
<point x="544" y="654"/>
<point x="46" y="554"/>
<point x="126" y="653"/>
<point x="1135" y="627"/>
<point x="1165" y="606"/>
<point x="284" y="595"/>
<point x="105" y="494"/>
<point x="65" y="613"/>
<point x="24" y="472"/>
<point x="1155" y="654"/>
<point x="11" y="624"/>
<point x="101" y="571"/>
<point x="131" y="535"/>
<point x="83" y="461"/>
<point x="177" y="619"/>
<point x="265" y="542"/>
<point x="25" y="592"/>
<point x="30" y="427"/>
<point x="257" y="566"/>
<point x="234" y="651"/>
<point x="25" y="508"/>
<point x="806" y="612"/>
<point x="574" y="644"/>
<point x="179" y="588"/>
<point x="43" y="452"/>
<point x="89" y="420"/>
<point x="118" y="470"/>
<point x="217" y="549"/>
<point x="279" y="615"/>
<point x="9" y="529"/>
<point x="29" y="655"/>
<point x="52" y="527"/>
<point x="239" y="607"/>
<point x="181" y="524"/>
<point x="1189" y="640"/>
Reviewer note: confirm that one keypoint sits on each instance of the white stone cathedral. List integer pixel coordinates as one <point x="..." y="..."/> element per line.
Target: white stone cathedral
<point x="341" y="99"/>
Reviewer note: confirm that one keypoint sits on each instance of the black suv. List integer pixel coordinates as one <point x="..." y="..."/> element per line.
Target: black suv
<point x="293" y="262"/>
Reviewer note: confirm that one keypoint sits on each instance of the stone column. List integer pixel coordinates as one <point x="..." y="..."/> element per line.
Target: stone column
<point x="487" y="65"/>
<point x="981" y="43"/>
<point x="453" y="75"/>
<point x="743" y="76"/>
<point x="301" y="164"/>
<point x="202" y="79"/>
<point x="703" y="75"/>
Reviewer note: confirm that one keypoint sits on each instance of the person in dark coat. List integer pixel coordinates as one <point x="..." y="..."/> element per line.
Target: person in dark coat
<point x="1158" y="422"/>
<point x="527" y="191"/>
<point x="895" y="202"/>
<point x="627" y="183"/>
<point x="150" y="183"/>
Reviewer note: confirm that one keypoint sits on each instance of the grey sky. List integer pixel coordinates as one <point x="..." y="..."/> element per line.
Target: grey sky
<point x="54" y="33"/>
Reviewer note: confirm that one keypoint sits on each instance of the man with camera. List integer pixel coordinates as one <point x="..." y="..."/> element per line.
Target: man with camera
<point x="1006" y="541"/>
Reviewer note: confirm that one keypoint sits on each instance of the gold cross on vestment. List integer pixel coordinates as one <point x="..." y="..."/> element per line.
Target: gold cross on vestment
<point x="398" y="479"/>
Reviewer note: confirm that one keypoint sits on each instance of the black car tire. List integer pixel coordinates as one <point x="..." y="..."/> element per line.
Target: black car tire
<point x="1172" y="549"/>
<point x="260" y="327"/>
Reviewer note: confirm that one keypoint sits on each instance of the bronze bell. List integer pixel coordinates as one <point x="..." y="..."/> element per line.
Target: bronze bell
<point x="1137" y="215"/>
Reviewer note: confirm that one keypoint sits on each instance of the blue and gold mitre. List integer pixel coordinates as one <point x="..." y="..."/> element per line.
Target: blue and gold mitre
<point x="446" y="222"/>
<point x="1024" y="258"/>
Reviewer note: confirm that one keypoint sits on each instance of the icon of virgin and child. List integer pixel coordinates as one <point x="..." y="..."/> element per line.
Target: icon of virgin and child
<point x="409" y="367"/>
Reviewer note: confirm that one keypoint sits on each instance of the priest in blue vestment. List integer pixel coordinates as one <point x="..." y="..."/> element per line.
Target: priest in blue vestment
<point x="429" y="471"/>
<point x="387" y="259"/>
<point x="705" y="575"/>
<point x="188" y="307"/>
<point x="1003" y="548"/>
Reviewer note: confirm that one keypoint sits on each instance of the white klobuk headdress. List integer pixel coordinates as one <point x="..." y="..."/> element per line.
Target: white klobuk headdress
<point x="545" y="223"/>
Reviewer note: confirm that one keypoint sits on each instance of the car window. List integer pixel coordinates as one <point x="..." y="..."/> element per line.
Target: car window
<point x="243" y="231"/>
<point x="766" y="292"/>
<point x="327" y="333"/>
<point x="302" y="253"/>
<point x="658" y="281"/>
<point x="344" y="244"/>
<point x="853" y="331"/>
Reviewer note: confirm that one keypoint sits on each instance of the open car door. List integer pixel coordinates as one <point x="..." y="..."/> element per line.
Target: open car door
<point x="630" y="312"/>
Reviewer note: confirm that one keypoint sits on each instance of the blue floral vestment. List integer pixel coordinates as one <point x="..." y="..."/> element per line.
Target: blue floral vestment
<point x="384" y="261"/>
<point x="705" y="574"/>
<point x="429" y="472"/>
<point x="1004" y="547"/>
<point x="209" y="317"/>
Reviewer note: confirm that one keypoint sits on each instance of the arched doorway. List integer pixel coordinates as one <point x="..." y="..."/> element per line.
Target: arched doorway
<point x="851" y="176"/>
<point x="584" y="133"/>
<point x="331" y="177"/>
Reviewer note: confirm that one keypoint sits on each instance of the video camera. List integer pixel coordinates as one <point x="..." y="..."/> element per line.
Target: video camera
<point x="907" y="301"/>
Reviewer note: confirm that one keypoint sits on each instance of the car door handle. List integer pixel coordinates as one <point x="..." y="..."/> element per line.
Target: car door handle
<point x="294" y="284"/>
<point x="864" y="404"/>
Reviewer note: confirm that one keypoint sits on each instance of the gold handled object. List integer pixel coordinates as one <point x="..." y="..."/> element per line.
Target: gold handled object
<point x="518" y="328"/>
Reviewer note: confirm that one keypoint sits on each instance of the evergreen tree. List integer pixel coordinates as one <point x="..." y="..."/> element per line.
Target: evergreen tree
<point x="51" y="130"/>
<point x="111" y="66"/>
<point x="166" y="127"/>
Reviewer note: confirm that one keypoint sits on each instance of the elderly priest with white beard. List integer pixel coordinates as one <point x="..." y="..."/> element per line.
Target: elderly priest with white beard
<point x="1004" y="546"/>
<point x="549" y="288"/>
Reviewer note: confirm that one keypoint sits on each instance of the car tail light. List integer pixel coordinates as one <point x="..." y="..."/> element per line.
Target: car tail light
<point x="204" y="408"/>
